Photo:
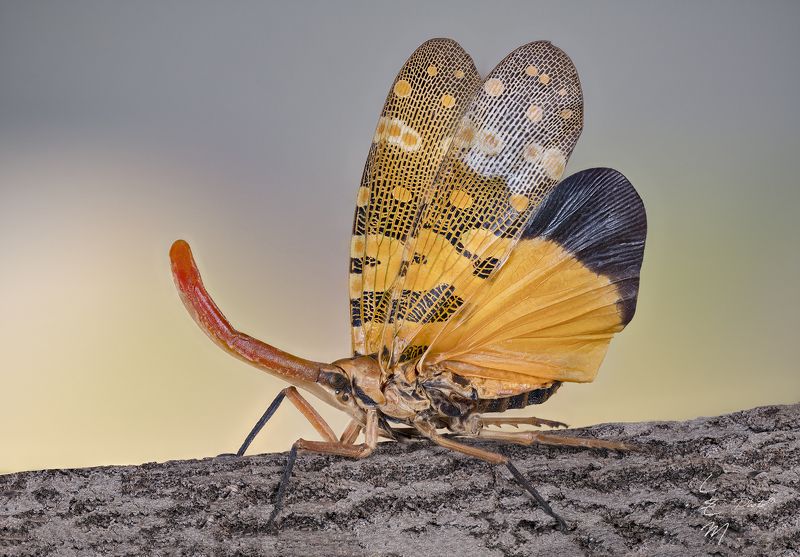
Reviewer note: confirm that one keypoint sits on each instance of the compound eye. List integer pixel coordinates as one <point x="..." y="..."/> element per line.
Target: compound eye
<point x="338" y="382"/>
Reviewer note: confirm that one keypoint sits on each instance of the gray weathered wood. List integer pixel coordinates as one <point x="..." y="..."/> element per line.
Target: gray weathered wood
<point x="415" y="499"/>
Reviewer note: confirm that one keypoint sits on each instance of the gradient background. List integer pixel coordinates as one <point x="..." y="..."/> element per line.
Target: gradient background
<point x="243" y="127"/>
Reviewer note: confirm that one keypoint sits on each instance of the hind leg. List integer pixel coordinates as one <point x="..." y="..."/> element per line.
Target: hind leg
<point x="493" y="458"/>
<point x="516" y="422"/>
<point x="530" y="437"/>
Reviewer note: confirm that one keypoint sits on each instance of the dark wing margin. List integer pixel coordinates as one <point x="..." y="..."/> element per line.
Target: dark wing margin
<point x="598" y="216"/>
<point x="569" y="285"/>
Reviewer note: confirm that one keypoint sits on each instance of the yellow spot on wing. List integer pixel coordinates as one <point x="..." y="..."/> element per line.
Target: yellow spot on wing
<point x="458" y="74"/>
<point x="532" y="152"/>
<point x="402" y="88"/>
<point x="381" y="129"/>
<point x="494" y="87"/>
<point x="410" y="139"/>
<point x="401" y="194"/>
<point x="432" y="71"/>
<point x="532" y="70"/>
<point x="355" y="285"/>
<point x="519" y="202"/>
<point x="398" y="133"/>
<point x="465" y="136"/>
<point x="489" y="143"/>
<point x="544" y="79"/>
<point x="534" y="113"/>
<point x="363" y="196"/>
<point x="566" y="114"/>
<point x="460" y="199"/>
<point x="448" y="100"/>
<point x="357" y="246"/>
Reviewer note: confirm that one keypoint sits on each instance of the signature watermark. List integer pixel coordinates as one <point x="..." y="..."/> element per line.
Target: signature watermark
<point x="715" y="508"/>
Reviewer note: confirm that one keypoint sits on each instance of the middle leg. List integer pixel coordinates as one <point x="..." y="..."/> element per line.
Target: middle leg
<point x="493" y="458"/>
<point x="301" y="404"/>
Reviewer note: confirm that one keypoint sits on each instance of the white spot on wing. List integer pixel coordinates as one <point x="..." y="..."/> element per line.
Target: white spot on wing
<point x="494" y="87"/>
<point x="554" y="161"/>
<point x="489" y="143"/>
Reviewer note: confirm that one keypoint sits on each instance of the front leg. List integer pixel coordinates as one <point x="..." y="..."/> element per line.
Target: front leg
<point x="341" y="448"/>
<point x="301" y="404"/>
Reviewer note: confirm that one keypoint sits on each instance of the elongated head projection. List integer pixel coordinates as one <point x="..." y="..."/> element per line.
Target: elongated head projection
<point x="480" y="281"/>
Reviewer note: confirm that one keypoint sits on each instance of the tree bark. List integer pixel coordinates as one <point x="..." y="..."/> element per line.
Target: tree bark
<point x="725" y="485"/>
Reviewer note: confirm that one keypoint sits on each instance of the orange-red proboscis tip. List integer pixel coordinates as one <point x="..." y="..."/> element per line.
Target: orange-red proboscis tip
<point x="209" y="317"/>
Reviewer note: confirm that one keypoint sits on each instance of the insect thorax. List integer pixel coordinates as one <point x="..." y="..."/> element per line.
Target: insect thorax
<point x="442" y="399"/>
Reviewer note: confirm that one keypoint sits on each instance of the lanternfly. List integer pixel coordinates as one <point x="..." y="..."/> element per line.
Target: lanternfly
<point x="479" y="280"/>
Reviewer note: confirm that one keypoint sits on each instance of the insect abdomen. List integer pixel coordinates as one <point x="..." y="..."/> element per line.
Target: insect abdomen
<point x="521" y="400"/>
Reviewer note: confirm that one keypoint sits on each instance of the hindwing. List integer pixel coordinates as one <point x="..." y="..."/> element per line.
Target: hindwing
<point x="571" y="282"/>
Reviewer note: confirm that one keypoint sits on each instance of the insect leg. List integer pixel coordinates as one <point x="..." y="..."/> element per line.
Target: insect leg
<point x="261" y="422"/>
<point x="301" y="404"/>
<point x="496" y="458"/>
<point x="346" y="449"/>
<point x="404" y="434"/>
<point x="488" y="456"/>
<point x="401" y="434"/>
<point x="523" y="481"/>
<point x="350" y="433"/>
<point x="352" y="430"/>
<point x="529" y="420"/>
<point x="326" y="447"/>
<point x="531" y="437"/>
<point x="287" y="474"/>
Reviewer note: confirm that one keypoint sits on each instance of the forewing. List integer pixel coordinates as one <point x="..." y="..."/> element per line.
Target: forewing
<point x="423" y="107"/>
<point x="508" y="152"/>
<point x="568" y="286"/>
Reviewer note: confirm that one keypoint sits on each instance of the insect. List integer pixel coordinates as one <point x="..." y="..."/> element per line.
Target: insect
<point x="479" y="281"/>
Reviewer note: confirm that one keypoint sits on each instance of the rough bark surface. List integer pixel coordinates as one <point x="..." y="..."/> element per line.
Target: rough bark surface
<point x="726" y="485"/>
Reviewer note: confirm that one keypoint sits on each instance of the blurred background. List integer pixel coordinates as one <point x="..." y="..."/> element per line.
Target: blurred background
<point x="243" y="128"/>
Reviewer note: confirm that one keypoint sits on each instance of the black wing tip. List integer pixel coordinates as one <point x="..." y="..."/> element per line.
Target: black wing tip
<point x="622" y="186"/>
<point x="599" y="217"/>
